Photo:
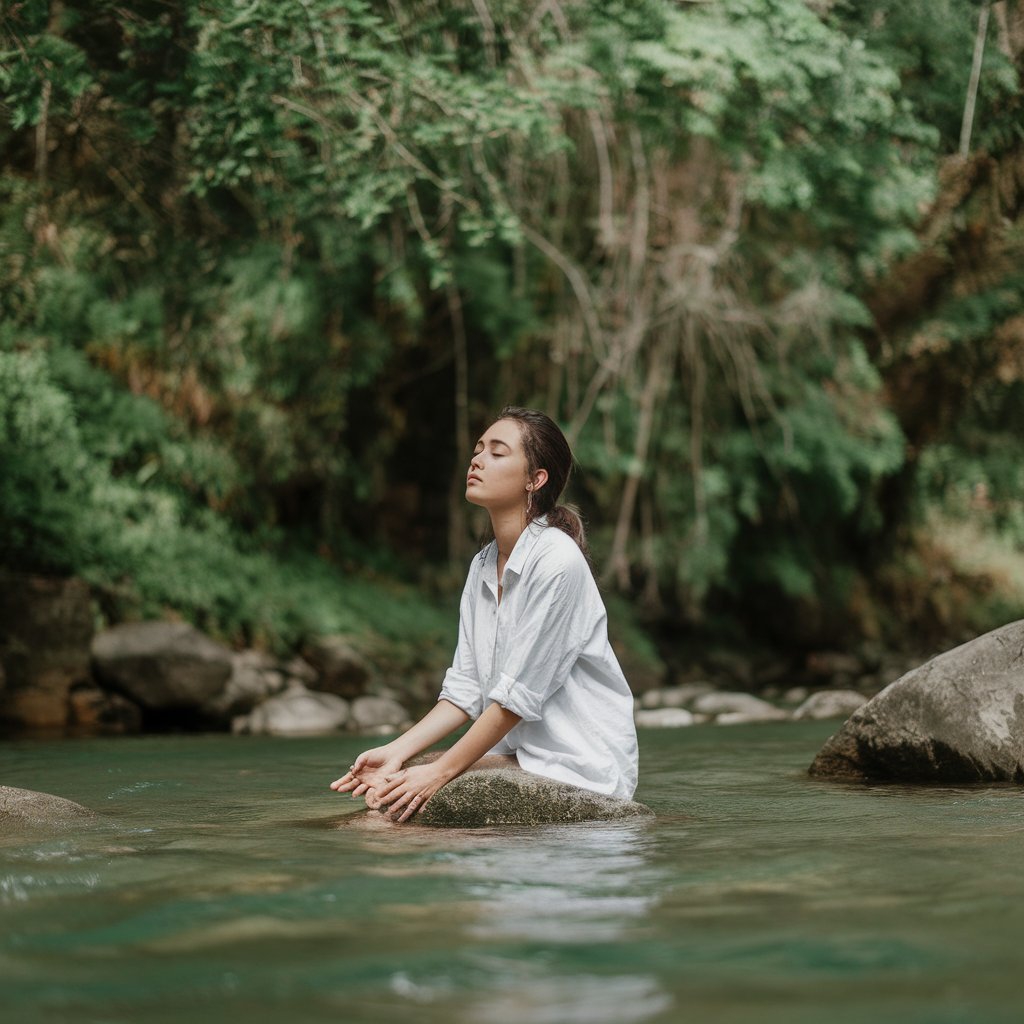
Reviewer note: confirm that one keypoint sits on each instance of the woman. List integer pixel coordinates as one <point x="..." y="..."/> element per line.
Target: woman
<point x="533" y="667"/>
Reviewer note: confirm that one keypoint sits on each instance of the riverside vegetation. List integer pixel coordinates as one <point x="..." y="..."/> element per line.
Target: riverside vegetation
<point x="265" y="267"/>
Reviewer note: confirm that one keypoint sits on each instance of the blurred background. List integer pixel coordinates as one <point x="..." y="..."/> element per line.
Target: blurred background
<point x="268" y="269"/>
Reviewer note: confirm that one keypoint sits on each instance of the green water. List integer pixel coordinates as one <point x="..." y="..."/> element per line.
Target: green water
<point x="228" y="882"/>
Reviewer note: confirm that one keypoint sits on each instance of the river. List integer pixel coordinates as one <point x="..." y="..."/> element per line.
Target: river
<point x="226" y="881"/>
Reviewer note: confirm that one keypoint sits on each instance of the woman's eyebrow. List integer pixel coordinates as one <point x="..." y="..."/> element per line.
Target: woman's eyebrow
<point x="493" y="442"/>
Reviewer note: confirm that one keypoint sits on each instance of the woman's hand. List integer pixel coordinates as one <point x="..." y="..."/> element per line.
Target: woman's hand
<point x="407" y="791"/>
<point x="368" y="773"/>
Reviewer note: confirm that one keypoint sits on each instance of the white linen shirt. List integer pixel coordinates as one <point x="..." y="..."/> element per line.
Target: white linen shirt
<point x="543" y="653"/>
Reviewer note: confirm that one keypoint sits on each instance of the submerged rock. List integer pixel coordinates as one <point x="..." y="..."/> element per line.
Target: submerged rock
<point x="26" y="807"/>
<point x="957" y="718"/>
<point x="507" y="796"/>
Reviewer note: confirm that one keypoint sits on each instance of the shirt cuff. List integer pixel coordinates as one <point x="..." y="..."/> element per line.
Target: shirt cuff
<point x="463" y="691"/>
<point x="516" y="698"/>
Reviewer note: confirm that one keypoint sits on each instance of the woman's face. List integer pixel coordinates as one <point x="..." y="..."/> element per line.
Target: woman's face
<point x="498" y="477"/>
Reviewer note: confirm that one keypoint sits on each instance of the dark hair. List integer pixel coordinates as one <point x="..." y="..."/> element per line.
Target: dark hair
<point x="546" y="448"/>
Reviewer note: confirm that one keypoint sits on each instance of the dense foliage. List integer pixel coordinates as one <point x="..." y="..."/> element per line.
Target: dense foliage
<point x="266" y="267"/>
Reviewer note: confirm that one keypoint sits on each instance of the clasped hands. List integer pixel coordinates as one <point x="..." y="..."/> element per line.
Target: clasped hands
<point x="378" y="777"/>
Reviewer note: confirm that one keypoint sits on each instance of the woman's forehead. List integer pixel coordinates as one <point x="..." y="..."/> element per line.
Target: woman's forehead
<point x="506" y="431"/>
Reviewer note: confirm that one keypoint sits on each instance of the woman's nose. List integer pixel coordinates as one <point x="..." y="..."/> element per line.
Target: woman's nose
<point x="476" y="461"/>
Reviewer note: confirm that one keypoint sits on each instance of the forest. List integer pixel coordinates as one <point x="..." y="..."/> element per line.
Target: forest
<point x="268" y="268"/>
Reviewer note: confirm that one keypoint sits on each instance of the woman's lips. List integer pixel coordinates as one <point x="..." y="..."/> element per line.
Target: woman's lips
<point x="472" y="479"/>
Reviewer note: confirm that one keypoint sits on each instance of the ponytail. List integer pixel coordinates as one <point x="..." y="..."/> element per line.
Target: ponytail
<point x="567" y="518"/>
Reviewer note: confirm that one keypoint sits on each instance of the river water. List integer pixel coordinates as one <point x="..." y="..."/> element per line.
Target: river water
<point x="226" y="881"/>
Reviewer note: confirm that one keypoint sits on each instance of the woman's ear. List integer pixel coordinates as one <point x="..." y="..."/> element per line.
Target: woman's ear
<point x="540" y="478"/>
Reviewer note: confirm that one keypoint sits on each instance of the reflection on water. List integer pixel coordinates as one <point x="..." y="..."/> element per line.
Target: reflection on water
<point x="225" y="879"/>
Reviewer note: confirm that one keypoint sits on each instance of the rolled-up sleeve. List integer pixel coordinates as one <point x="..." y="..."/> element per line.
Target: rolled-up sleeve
<point x="461" y="685"/>
<point x="539" y="652"/>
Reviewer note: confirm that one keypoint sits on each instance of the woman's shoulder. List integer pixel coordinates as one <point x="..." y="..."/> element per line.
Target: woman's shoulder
<point x="557" y="552"/>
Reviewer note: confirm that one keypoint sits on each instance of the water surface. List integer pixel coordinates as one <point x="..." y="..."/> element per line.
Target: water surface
<point x="225" y="879"/>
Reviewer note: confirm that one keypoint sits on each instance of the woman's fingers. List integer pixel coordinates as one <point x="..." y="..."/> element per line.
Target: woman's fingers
<point x="360" y="789"/>
<point x="416" y="804"/>
<point x="343" y="784"/>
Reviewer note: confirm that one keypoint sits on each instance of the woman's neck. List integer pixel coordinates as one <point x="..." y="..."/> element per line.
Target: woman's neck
<point x="508" y="526"/>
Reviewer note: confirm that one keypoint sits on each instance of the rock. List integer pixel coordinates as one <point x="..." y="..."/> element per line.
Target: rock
<point x="736" y="703"/>
<point x="506" y="796"/>
<point x="26" y="807"/>
<point x="46" y="626"/>
<point x="662" y="718"/>
<point x="377" y="714"/>
<point x="162" y="665"/>
<point x="747" y="717"/>
<point x="674" y="696"/>
<point x="796" y="695"/>
<point x="830" y="704"/>
<point x="296" y="712"/>
<point x="254" y="678"/>
<point x="95" y="712"/>
<point x="299" y="668"/>
<point x="340" y="668"/>
<point x="957" y="718"/>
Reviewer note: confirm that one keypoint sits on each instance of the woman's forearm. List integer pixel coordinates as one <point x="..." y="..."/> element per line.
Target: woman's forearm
<point x="494" y="724"/>
<point x="442" y="720"/>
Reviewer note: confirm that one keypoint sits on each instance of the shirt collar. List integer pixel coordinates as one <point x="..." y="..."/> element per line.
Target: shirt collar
<point x="516" y="559"/>
<point x="524" y="545"/>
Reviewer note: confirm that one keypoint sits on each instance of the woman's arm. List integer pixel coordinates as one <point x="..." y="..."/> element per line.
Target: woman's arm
<point x="412" y="788"/>
<point x="369" y="769"/>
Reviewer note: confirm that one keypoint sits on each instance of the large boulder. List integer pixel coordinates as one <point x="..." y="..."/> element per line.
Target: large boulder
<point x="162" y="665"/>
<point x="26" y="807"/>
<point x="508" y="796"/>
<point x="340" y="668"/>
<point x="957" y="718"/>
<point x="46" y="626"/>
<point x="296" y="712"/>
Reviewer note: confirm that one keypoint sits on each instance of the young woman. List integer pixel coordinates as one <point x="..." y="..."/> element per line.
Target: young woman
<point x="533" y="667"/>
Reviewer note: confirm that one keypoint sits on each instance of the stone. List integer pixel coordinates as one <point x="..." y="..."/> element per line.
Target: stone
<point x="96" y="712"/>
<point x="340" y="668"/>
<point x="299" y="668"/>
<point x="507" y="796"/>
<point x="749" y="717"/>
<point x="296" y="712"/>
<point x="162" y="665"/>
<point x="662" y="718"/>
<point x="254" y="678"/>
<point x="46" y="627"/>
<point x="957" y="718"/>
<point x="830" y="704"/>
<point x="796" y="695"/>
<point x="674" y="696"/>
<point x="726" y="702"/>
<point x="376" y="714"/>
<point x="26" y="807"/>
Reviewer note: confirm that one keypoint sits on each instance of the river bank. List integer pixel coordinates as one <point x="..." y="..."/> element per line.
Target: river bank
<point x="64" y="671"/>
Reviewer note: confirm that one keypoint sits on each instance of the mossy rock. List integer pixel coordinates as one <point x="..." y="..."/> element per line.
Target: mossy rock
<point x="506" y="796"/>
